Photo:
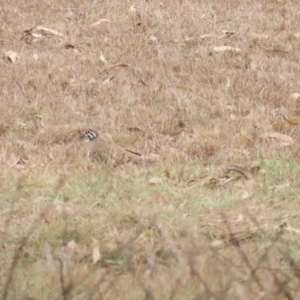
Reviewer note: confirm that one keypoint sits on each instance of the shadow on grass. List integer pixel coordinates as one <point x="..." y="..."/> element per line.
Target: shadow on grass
<point x="150" y="262"/>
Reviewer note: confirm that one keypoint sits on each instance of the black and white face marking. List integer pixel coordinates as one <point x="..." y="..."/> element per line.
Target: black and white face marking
<point x="90" y="134"/>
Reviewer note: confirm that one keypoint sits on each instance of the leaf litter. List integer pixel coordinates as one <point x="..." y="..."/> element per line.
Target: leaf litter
<point x="37" y="33"/>
<point x="12" y="56"/>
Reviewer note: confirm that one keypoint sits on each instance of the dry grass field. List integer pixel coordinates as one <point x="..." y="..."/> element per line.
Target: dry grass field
<point x="210" y="90"/>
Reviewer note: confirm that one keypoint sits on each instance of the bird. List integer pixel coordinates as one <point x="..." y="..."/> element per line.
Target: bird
<point x="100" y="150"/>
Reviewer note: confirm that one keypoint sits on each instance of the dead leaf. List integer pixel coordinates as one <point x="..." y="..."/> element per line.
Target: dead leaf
<point x="167" y="170"/>
<point x="255" y="170"/>
<point x="135" y="130"/>
<point x="277" y="31"/>
<point x="38" y="32"/>
<point x="239" y="219"/>
<point x="45" y="218"/>
<point x="227" y="33"/>
<point x="259" y="36"/>
<point x="70" y="250"/>
<point x="132" y="9"/>
<point x="48" y="31"/>
<point x="183" y="87"/>
<point x="139" y="132"/>
<point x="246" y="194"/>
<point x="221" y="181"/>
<point x="153" y="38"/>
<point x="108" y="80"/>
<point x="176" y="135"/>
<point x="96" y="251"/>
<point x="276" y="53"/>
<point x="155" y="180"/>
<point x="291" y="122"/>
<point x="141" y="82"/>
<point x="240" y="170"/>
<point x="3" y="129"/>
<point x="295" y="96"/>
<point x="246" y="139"/>
<point x="103" y="59"/>
<point x="72" y="47"/>
<point x="12" y="56"/>
<point x="280" y="187"/>
<point x="119" y="66"/>
<point x="71" y="247"/>
<point x="99" y="22"/>
<point x="205" y="36"/>
<point x="29" y="36"/>
<point x="69" y="46"/>
<point x="133" y="152"/>
<point x="26" y="31"/>
<point x="226" y="49"/>
<point x="285" y="139"/>
<point x="287" y="227"/>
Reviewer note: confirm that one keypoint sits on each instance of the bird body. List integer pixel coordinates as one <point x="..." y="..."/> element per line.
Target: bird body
<point x="100" y="150"/>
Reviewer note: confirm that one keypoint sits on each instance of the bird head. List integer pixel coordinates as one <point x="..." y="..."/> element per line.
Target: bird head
<point x="89" y="134"/>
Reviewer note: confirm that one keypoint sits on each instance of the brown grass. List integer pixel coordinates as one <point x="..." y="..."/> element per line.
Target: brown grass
<point x="151" y="81"/>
